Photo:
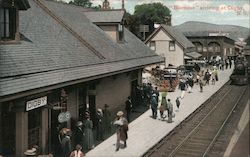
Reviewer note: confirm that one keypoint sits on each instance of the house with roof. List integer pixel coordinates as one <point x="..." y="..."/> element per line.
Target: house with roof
<point x="172" y="45"/>
<point x="58" y="62"/>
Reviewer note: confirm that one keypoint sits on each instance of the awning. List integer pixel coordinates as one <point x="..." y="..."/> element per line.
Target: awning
<point x="186" y="57"/>
<point x="193" y="55"/>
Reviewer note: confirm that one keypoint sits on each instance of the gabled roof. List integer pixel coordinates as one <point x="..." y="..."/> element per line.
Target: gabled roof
<point x="105" y="16"/>
<point x="59" y="45"/>
<point x="175" y="34"/>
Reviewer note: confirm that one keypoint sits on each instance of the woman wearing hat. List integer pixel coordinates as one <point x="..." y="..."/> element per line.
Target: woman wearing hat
<point x="121" y="124"/>
<point x="66" y="142"/>
<point x="89" y="139"/>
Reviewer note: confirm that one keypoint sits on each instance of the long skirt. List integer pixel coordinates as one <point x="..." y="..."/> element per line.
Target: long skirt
<point x="88" y="139"/>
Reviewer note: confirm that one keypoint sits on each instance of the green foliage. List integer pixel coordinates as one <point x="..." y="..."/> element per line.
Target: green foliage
<point x="152" y="12"/>
<point x="132" y="23"/>
<point x="83" y="3"/>
<point x="147" y="14"/>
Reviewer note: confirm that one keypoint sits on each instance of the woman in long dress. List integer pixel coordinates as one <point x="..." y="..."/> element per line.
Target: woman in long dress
<point x="121" y="124"/>
<point x="89" y="138"/>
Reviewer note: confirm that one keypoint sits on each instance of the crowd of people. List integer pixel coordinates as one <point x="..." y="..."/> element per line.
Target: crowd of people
<point x="82" y="137"/>
<point x="201" y="76"/>
<point x="73" y="143"/>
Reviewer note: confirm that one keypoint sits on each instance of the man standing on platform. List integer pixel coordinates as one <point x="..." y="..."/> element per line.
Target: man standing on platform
<point x="106" y="120"/>
<point x="170" y="113"/>
<point x="157" y="94"/>
<point x="154" y="105"/>
<point x="128" y="108"/>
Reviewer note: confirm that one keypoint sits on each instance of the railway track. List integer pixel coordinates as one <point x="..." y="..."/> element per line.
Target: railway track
<point x="195" y="136"/>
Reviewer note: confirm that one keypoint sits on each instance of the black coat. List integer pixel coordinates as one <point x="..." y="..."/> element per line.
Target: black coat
<point x="128" y="107"/>
<point x="78" y="136"/>
<point x="182" y="86"/>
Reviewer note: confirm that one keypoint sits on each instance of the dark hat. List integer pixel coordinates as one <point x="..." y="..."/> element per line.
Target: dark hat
<point x="78" y="147"/>
<point x="129" y="97"/>
<point x="106" y="105"/>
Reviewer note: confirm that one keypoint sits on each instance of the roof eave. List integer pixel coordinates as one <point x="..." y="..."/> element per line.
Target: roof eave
<point x="12" y="96"/>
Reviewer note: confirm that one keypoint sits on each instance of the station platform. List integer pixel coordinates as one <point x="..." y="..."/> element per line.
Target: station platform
<point x="144" y="132"/>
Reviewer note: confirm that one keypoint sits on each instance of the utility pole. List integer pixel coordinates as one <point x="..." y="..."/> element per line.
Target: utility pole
<point x="123" y="5"/>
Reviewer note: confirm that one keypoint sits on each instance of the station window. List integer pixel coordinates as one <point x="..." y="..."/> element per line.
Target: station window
<point x="7" y="23"/>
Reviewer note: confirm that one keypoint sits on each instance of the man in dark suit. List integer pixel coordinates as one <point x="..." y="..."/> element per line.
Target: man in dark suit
<point x="128" y="107"/>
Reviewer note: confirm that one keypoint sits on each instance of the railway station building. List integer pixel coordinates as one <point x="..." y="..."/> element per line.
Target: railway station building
<point x="56" y="60"/>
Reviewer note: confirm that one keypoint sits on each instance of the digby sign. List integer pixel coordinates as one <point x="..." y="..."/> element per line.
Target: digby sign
<point x="32" y="104"/>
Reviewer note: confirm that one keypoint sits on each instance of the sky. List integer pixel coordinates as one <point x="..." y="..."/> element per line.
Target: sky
<point x="231" y="12"/>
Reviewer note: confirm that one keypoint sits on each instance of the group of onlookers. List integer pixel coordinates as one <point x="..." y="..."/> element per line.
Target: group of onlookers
<point x="82" y="135"/>
<point x="200" y="76"/>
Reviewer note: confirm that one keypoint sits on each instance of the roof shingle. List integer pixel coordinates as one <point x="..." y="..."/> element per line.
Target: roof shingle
<point x="49" y="54"/>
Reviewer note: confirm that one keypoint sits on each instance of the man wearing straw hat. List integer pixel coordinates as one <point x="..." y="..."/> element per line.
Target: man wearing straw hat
<point x="121" y="124"/>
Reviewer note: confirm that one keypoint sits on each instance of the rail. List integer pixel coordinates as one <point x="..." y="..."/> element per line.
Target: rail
<point x="194" y="130"/>
<point x="217" y="134"/>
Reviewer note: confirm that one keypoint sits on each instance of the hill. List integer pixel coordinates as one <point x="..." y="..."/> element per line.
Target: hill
<point x="194" y="28"/>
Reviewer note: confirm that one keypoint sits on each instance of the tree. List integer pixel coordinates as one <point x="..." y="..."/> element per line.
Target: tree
<point x="132" y="23"/>
<point x="83" y="3"/>
<point x="148" y="14"/>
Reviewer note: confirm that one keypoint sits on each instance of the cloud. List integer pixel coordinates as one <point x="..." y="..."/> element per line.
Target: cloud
<point x="96" y="2"/>
<point x="246" y="7"/>
<point x="192" y="4"/>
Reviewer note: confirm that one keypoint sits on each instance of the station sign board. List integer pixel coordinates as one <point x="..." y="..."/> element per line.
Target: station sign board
<point x="36" y="103"/>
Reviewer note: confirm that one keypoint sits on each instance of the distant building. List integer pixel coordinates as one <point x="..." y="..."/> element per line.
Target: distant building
<point x="213" y="45"/>
<point x="55" y="62"/>
<point x="211" y="39"/>
<point x="172" y="45"/>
